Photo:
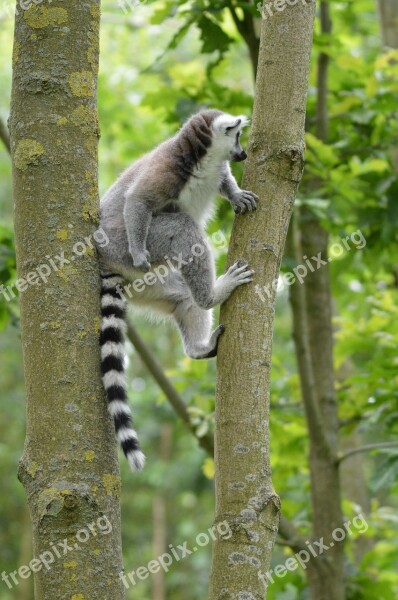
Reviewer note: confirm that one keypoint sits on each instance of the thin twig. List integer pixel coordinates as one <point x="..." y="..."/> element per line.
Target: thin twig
<point x="287" y="529"/>
<point x="366" y="448"/>
<point x="172" y="395"/>
<point x="291" y="535"/>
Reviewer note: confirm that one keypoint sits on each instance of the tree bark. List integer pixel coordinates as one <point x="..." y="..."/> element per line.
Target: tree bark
<point x="313" y="332"/>
<point x="159" y="520"/>
<point x="287" y="530"/>
<point x="388" y="15"/>
<point x="69" y="466"/>
<point x="245" y="497"/>
<point x="325" y="572"/>
<point x="25" y="587"/>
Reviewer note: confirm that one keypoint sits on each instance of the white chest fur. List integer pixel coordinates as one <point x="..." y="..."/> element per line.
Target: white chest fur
<point x="198" y="195"/>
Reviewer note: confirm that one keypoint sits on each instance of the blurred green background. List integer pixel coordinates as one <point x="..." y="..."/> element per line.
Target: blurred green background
<point x="161" y="61"/>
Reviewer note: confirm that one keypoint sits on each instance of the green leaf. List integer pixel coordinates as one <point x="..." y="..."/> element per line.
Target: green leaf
<point x="213" y="36"/>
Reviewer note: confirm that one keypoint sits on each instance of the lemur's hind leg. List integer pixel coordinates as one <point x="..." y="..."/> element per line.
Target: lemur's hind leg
<point x="187" y="244"/>
<point x="205" y="289"/>
<point x="178" y="238"/>
<point x="193" y="316"/>
<point x="195" y="325"/>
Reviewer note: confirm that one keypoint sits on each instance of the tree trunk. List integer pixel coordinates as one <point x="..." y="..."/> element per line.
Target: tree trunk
<point x="388" y="14"/>
<point x="246" y="27"/>
<point x="313" y="335"/>
<point x="69" y="466"/>
<point x="159" y="517"/>
<point x="25" y="587"/>
<point x="245" y="497"/>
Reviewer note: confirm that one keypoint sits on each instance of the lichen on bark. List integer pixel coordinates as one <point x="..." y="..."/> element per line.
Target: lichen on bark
<point x="69" y="465"/>
<point x="245" y="497"/>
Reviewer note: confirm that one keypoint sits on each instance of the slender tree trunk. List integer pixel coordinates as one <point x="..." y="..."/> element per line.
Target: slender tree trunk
<point x="287" y="530"/>
<point x="159" y="544"/>
<point x="246" y="27"/>
<point x="245" y="497"/>
<point x="25" y="587"/>
<point x="388" y="14"/>
<point x="69" y="467"/>
<point x="354" y="486"/>
<point x="159" y="512"/>
<point x="325" y="481"/>
<point x="325" y="572"/>
<point x="313" y="335"/>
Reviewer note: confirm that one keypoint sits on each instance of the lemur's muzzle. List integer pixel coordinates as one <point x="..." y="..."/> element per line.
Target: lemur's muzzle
<point x="240" y="157"/>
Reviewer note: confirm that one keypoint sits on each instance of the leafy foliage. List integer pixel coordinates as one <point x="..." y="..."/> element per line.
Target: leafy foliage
<point x="160" y="62"/>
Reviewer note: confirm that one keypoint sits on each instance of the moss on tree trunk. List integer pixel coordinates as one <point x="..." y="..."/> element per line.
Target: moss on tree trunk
<point x="245" y="497"/>
<point x="69" y="466"/>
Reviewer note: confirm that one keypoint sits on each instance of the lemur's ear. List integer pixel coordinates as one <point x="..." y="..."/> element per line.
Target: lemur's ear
<point x="239" y="122"/>
<point x="234" y="125"/>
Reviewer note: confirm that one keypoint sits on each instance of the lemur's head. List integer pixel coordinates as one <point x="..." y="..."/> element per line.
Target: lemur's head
<point x="227" y="131"/>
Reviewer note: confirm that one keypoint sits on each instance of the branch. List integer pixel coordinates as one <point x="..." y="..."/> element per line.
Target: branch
<point x="247" y="30"/>
<point x="5" y="136"/>
<point x="238" y="23"/>
<point x="353" y="419"/>
<point x="292" y="536"/>
<point x="366" y="448"/>
<point x="177" y="402"/>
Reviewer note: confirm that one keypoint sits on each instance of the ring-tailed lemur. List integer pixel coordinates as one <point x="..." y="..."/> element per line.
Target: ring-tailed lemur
<point x="157" y="211"/>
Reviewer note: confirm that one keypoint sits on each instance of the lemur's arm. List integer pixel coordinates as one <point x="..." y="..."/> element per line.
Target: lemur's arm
<point x="147" y="195"/>
<point x="241" y="200"/>
<point x="137" y="218"/>
<point x="141" y="201"/>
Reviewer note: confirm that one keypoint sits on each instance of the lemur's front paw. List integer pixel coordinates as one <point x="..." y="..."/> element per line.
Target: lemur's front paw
<point x="243" y="201"/>
<point x="141" y="261"/>
<point x="240" y="273"/>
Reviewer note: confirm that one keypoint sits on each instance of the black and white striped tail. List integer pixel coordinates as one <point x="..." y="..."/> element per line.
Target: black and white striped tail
<point x="113" y="331"/>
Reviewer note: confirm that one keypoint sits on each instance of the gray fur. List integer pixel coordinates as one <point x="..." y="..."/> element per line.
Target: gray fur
<point x="158" y="209"/>
<point x="187" y="172"/>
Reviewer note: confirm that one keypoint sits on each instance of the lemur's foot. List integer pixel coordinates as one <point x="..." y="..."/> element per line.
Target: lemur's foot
<point x="211" y="349"/>
<point x="141" y="260"/>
